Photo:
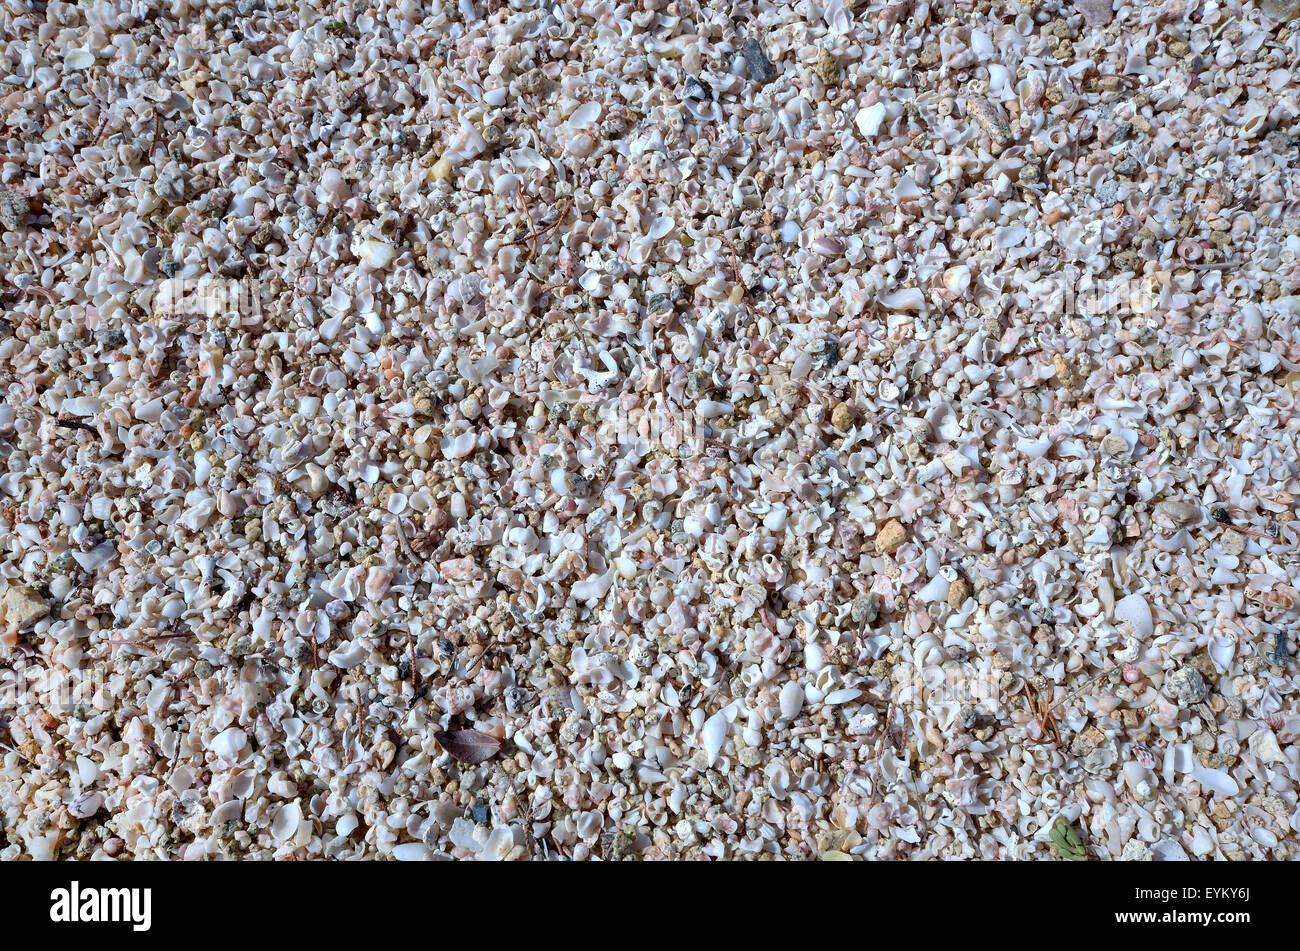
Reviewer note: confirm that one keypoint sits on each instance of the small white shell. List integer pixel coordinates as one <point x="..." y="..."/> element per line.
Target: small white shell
<point x="842" y="695"/>
<point x="869" y="119"/>
<point x="500" y="843"/>
<point x="86" y="805"/>
<point x="406" y="852"/>
<point x="791" y="700"/>
<point x="935" y="590"/>
<point x="229" y="742"/>
<point x="585" y="115"/>
<point x="284" y="825"/>
<point x="712" y="736"/>
<point x="659" y="228"/>
<point x="377" y="254"/>
<point x="908" y="298"/>
<point x="1135" y="610"/>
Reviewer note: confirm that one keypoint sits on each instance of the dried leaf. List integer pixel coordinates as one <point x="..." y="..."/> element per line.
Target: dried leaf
<point x="468" y="746"/>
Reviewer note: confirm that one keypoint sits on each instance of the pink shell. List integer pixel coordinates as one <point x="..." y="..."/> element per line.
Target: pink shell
<point x="1096" y="12"/>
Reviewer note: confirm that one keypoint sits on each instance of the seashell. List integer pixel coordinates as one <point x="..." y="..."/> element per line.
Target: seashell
<point x="1217" y="781"/>
<point x="1133" y="609"/>
<point x="82" y="406"/>
<point x="349" y="655"/>
<point x="908" y="299"/>
<point x="869" y="120"/>
<point x="828" y="247"/>
<point x="792" y="697"/>
<point x="285" y="822"/>
<point x="751" y="599"/>
<point x="229" y="743"/>
<point x="1029" y="91"/>
<point x="957" y="280"/>
<point x="990" y="119"/>
<point x="659" y="228"/>
<point x="1143" y="757"/>
<point x="1171" y="515"/>
<point x="712" y="735"/>
<point x="468" y="746"/>
<point x="842" y="695"/>
<point x="86" y="805"/>
<point x="585" y="115"/>
<point x="1221" y="651"/>
<point x="1264" y="747"/>
<point x="501" y="842"/>
<point x="1096" y="13"/>
<point x="1009" y="236"/>
<point x="935" y="590"/>
<point x="406" y="852"/>
<point x="594" y="588"/>
<point x="377" y="254"/>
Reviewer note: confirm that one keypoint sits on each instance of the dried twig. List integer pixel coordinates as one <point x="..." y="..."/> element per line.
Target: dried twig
<point x="410" y="643"/>
<point x="1079" y="689"/>
<point x="1043" y="714"/>
<point x="67" y="423"/>
<point x="549" y="228"/>
<point x="735" y="258"/>
<point x="532" y="228"/>
<point x="311" y="246"/>
<point x="402" y="542"/>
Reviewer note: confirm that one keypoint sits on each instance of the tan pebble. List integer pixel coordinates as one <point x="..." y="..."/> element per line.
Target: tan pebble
<point x="1069" y="376"/>
<point x="1087" y="741"/>
<point x="958" y="592"/>
<point x="890" y="537"/>
<point x="20" y="608"/>
<point x="990" y="119"/>
<point x="1234" y="543"/>
<point x="827" y="68"/>
<point x="842" y="417"/>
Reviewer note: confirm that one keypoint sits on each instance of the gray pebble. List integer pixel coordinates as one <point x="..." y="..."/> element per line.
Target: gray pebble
<point x="1127" y="166"/>
<point x="760" y="67"/>
<point x="696" y="89"/>
<point x="13" y="209"/>
<point x="1187" y="686"/>
<point x="1107" y="193"/>
<point x="110" y="339"/>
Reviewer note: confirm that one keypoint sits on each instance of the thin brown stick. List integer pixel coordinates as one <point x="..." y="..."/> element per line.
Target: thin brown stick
<point x="735" y="258"/>
<point x="532" y="228"/>
<point x="1079" y="689"/>
<point x="401" y="540"/>
<point x="410" y="642"/>
<point x="549" y="228"/>
<point x="311" y="246"/>
<point x="148" y="638"/>
<point x="99" y="129"/>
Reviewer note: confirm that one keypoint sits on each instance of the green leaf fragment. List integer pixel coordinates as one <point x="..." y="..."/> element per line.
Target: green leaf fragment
<point x="1067" y="841"/>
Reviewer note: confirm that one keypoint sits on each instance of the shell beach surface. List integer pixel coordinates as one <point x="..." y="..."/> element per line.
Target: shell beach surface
<point x="656" y="430"/>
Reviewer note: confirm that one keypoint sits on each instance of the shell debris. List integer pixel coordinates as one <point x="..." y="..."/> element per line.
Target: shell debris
<point x="612" y="430"/>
